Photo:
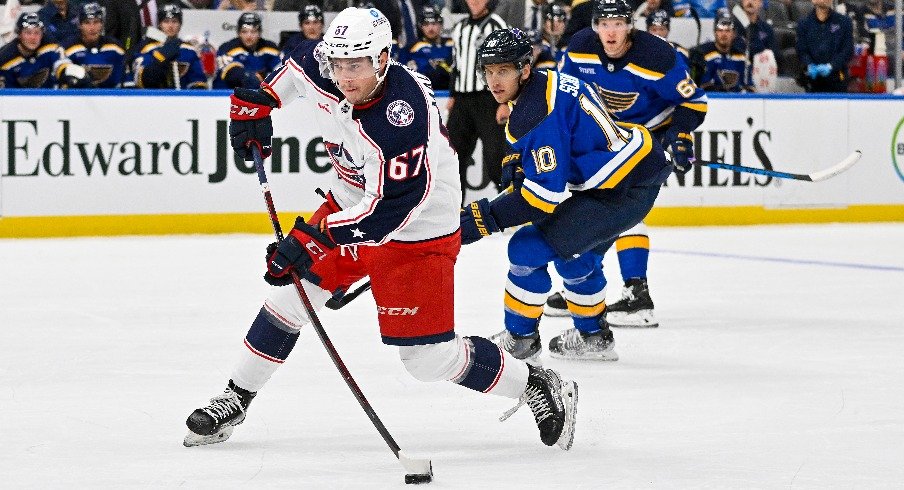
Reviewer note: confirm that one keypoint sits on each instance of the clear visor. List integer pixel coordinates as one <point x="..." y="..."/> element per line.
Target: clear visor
<point x="351" y="68"/>
<point x="500" y="73"/>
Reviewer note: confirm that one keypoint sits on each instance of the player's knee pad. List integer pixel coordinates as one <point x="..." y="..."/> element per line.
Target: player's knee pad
<point x="528" y="248"/>
<point x="434" y="362"/>
<point x="286" y="307"/>
<point x="580" y="269"/>
<point x="270" y="338"/>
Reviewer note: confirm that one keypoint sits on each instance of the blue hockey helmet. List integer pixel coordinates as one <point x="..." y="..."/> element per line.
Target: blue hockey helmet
<point x="27" y="20"/>
<point x="310" y="12"/>
<point x="91" y="10"/>
<point x="431" y="15"/>
<point x="250" y="19"/>
<point x="659" y="18"/>
<point x="611" y="9"/>
<point x="505" y="46"/>
<point x="724" y="20"/>
<point x="169" y="11"/>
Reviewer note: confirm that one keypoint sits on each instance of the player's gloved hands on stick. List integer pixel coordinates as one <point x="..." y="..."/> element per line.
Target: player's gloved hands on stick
<point x="303" y="247"/>
<point x="250" y="122"/>
<point x="512" y="172"/>
<point x="682" y="147"/>
<point x="477" y="222"/>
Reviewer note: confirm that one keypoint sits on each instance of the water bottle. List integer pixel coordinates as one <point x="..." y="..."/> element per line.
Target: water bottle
<point x="870" y="73"/>
<point x="208" y="56"/>
<point x="881" y="74"/>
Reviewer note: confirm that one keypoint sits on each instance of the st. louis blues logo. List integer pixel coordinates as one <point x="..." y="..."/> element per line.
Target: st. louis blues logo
<point x="399" y="113"/>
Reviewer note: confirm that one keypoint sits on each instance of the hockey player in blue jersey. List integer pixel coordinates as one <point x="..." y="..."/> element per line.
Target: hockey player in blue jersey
<point x="170" y="63"/>
<point x="643" y="80"/>
<point x="391" y="214"/>
<point x="310" y="21"/>
<point x="431" y="55"/>
<point x="554" y="20"/>
<point x="31" y="61"/>
<point x="100" y="55"/>
<point x="247" y="59"/>
<point x="723" y="66"/>
<point x="582" y="180"/>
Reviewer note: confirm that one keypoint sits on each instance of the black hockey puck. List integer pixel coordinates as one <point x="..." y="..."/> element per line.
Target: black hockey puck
<point x="418" y="479"/>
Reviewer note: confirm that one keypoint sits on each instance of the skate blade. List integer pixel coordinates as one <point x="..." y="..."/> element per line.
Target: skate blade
<point x="570" y="394"/>
<point x="606" y="355"/>
<point x="637" y="319"/>
<point x="555" y="312"/>
<point x="192" y="439"/>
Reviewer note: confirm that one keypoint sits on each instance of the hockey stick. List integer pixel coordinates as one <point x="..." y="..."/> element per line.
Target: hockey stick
<point x="417" y="470"/>
<point x="337" y="302"/>
<point x="821" y="175"/>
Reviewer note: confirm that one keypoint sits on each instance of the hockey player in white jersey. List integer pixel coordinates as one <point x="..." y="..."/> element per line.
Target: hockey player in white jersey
<point x="392" y="214"/>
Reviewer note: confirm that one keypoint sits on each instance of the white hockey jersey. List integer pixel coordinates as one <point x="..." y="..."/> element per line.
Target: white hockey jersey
<point x="396" y="174"/>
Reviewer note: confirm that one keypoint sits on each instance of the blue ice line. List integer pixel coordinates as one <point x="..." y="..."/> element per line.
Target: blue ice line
<point x="850" y="265"/>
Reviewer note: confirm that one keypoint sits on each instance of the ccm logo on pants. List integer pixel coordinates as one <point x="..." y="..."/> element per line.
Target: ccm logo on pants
<point x="382" y="310"/>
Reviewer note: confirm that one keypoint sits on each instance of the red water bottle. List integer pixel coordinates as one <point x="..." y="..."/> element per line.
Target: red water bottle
<point x="208" y="56"/>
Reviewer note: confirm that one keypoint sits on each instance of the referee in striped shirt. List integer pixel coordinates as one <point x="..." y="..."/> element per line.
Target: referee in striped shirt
<point x="473" y="113"/>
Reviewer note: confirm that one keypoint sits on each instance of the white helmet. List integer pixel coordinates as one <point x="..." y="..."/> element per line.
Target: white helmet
<point x="355" y="33"/>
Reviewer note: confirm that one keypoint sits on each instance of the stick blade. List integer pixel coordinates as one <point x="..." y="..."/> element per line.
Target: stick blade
<point x="417" y="471"/>
<point x="838" y="168"/>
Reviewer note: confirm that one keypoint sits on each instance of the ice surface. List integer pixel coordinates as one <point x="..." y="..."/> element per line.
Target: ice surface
<point x="779" y="363"/>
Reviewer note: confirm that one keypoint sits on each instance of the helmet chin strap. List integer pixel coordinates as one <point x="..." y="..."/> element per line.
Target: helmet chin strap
<point x="381" y="75"/>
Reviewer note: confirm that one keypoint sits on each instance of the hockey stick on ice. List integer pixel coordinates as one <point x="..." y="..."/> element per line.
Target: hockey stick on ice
<point x="417" y="470"/>
<point x="818" y="176"/>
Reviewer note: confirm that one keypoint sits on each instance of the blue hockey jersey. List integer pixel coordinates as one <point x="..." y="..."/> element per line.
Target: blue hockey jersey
<point x="104" y="61"/>
<point x="237" y="66"/>
<point x="650" y="85"/>
<point x="724" y="72"/>
<point x="42" y="69"/>
<point x="568" y="142"/>
<point x="433" y="59"/>
<point x="152" y="72"/>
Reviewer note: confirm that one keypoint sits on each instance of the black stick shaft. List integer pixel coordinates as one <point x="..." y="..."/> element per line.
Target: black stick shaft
<point x="315" y="320"/>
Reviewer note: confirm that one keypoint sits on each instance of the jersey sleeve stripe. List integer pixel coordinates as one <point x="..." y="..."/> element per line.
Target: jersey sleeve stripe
<point x="641" y="133"/>
<point x="585" y="58"/>
<point x="551" y="85"/>
<point x="701" y="107"/>
<point x="12" y="63"/>
<point x="643" y="72"/>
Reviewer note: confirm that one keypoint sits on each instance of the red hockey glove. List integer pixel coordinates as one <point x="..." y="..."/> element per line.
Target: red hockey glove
<point x="250" y="123"/>
<point x="303" y="247"/>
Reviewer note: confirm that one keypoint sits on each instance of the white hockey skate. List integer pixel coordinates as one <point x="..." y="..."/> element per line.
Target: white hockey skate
<point x="215" y="422"/>
<point x="554" y="403"/>
<point x="556" y="306"/>
<point x="527" y="348"/>
<point x="572" y="344"/>
<point x="635" y="309"/>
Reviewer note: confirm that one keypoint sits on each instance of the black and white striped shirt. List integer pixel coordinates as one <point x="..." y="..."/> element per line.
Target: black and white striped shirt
<point x="468" y="34"/>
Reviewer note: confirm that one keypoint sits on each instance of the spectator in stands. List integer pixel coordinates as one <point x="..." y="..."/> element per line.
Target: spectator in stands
<point x="875" y="16"/>
<point x="554" y="19"/>
<point x="580" y="17"/>
<point x="659" y="24"/>
<point x="653" y="6"/>
<point x="432" y="54"/>
<point x="60" y="20"/>
<point x="705" y="9"/>
<point x="825" y="46"/>
<point x="243" y="5"/>
<point x="721" y="65"/>
<point x="247" y="59"/>
<point x="473" y="112"/>
<point x="310" y="23"/>
<point x="169" y="63"/>
<point x="33" y="61"/>
<point x="102" y="57"/>
<point x="758" y="36"/>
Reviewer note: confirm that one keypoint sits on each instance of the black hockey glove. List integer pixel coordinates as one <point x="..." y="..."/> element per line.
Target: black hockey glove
<point x="477" y="222"/>
<point x="250" y="122"/>
<point x="300" y="250"/>
<point x="169" y="50"/>
<point x="512" y="171"/>
<point x="682" y="148"/>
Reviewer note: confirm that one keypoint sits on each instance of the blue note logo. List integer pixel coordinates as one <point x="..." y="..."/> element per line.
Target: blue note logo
<point x="897" y="149"/>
